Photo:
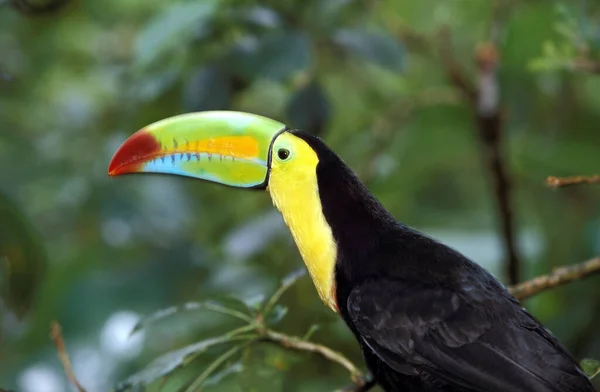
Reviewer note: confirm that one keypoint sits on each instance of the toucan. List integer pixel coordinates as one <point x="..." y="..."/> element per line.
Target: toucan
<point x="427" y="318"/>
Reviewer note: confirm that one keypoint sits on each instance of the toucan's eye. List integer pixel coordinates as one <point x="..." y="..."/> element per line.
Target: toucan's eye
<point x="283" y="154"/>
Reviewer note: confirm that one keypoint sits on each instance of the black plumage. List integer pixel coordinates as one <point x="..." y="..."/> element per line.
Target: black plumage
<point x="427" y="318"/>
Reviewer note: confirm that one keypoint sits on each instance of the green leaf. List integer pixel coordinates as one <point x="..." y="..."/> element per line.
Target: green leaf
<point x="276" y="56"/>
<point x="591" y="367"/>
<point x="286" y="283"/>
<point x="189" y="306"/>
<point x="173" y="27"/>
<point x="167" y="363"/>
<point x="22" y="258"/>
<point x="378" y="48"/>
<point x="309" y="109"/>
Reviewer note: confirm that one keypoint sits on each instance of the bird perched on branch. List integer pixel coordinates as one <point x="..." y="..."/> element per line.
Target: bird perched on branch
<point x="426" y="317"/>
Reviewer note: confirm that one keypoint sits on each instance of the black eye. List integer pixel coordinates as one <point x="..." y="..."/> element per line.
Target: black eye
<point x="283" y="154"/>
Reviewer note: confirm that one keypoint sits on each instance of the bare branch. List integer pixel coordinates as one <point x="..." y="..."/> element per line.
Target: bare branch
<point x="558" y="182"/>
<point x="586" y="65"/>
<point x="56" y="335"/>
<point x="360" y="381"/>
<point x="485" y="103"/>
<point x="558" y="277"/>
<point x="299" y="344"/>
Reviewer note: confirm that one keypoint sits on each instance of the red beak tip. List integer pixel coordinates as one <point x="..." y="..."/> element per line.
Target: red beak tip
<point x="133" y="152"/>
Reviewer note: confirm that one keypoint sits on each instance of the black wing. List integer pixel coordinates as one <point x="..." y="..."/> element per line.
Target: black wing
<point x="476" y="341"/>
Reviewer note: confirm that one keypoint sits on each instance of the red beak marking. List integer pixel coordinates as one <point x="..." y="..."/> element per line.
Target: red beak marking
<point x="133" y="153"/>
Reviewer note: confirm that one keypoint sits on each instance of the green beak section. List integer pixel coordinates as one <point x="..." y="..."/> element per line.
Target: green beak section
<point x="230" y="148"/>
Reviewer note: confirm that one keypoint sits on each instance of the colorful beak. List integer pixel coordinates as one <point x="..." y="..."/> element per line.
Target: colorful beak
<point x="231" y="148"/>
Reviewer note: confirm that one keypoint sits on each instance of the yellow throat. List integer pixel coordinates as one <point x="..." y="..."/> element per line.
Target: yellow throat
<point x="294" y="189"/>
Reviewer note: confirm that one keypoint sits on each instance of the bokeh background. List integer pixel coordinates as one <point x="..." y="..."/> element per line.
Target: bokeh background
<point x="370" y="77"/>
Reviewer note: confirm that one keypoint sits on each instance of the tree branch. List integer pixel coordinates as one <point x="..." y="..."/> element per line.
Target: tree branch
<point x="558" y="277"/>
<point x="360" y="382"/>
<point x="586" y="65"/>
<point x="485" y="103"/>
<point x="56" y="335"/>
<point x="558" y="182"/>
<point x="296" y="343"/>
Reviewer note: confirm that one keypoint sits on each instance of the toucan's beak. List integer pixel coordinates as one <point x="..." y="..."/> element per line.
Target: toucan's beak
<point x="231" y="148"/>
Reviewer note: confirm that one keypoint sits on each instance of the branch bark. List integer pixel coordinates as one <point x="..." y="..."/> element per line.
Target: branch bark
<point x="56" y="335"/>
<point x="300" y="344"/>
<point x="360" y="381"/>
<point x="558" y="277"/>
<point x="558" y="182"/>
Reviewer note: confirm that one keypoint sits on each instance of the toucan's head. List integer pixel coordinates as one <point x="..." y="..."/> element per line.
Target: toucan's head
<point x="231" y="148"/>
<point x="246" y="151"/>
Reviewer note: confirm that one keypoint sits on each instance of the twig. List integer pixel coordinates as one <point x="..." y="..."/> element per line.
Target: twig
<point x="360" y="381"/>
<point x="558" y="182"/>
<point x="56" y="335"/>
<point x="586" y="65"/>
<point x="485" y="103"/>
<point x="558" y="277"/>
<point x="297" y="343"/>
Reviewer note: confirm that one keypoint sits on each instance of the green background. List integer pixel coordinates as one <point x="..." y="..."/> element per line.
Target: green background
<point x="97" y="253"/>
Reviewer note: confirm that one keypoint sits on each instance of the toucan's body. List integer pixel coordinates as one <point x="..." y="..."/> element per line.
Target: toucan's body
<point x="427" y="318"/>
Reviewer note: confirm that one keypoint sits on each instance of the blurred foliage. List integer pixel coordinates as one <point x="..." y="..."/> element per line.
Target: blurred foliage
<point x="579" y="41"/>
<point x="591" y="367"/>
<point x="22" y="258"/>
<point x="77" y="80"/>
<point x="262" y="366"/>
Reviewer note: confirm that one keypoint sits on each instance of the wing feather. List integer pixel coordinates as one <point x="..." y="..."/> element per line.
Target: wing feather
<point x="480" y="342"/>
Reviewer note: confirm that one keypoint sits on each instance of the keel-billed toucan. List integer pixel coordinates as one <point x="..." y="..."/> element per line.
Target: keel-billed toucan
<point x="426" y="317"/>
